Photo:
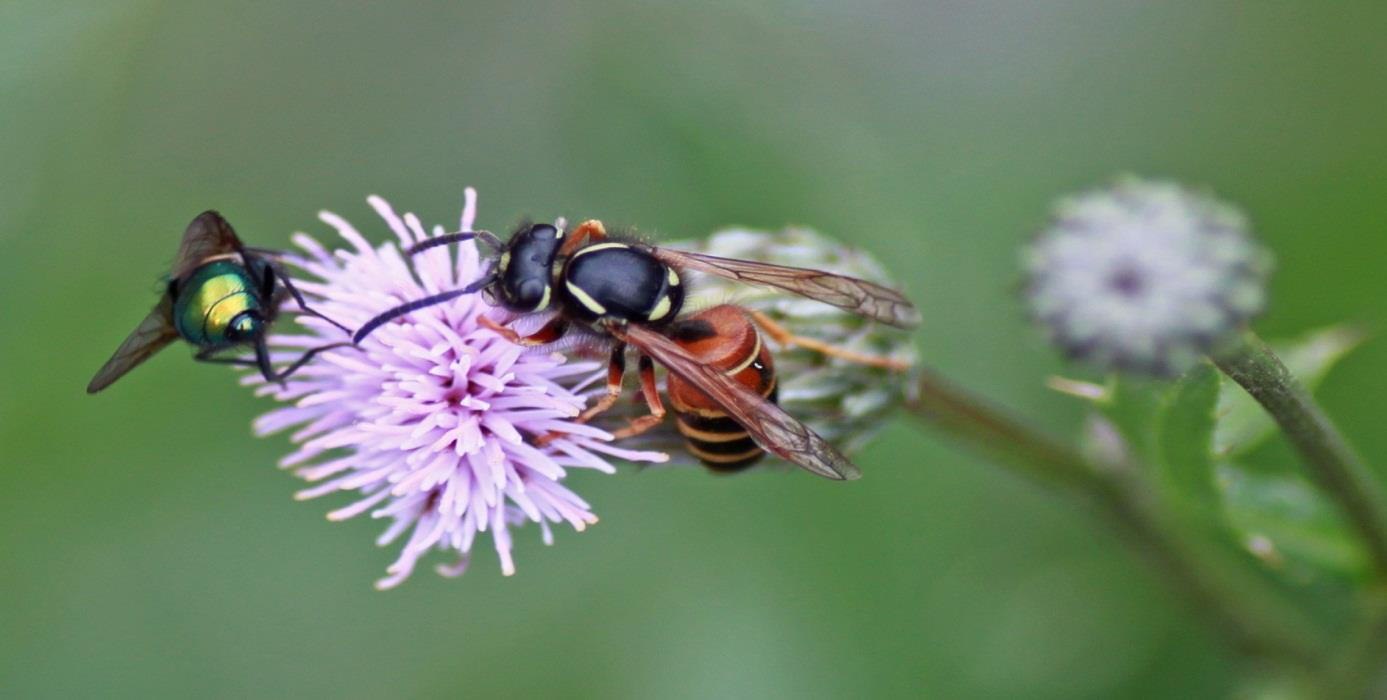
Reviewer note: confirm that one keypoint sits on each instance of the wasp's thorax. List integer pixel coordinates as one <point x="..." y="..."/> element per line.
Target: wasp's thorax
<point x="600" y="281"/>
<point x="621" y="282"/>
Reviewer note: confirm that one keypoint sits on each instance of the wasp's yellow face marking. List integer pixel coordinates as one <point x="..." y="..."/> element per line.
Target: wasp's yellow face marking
<point x="673" y="278"/>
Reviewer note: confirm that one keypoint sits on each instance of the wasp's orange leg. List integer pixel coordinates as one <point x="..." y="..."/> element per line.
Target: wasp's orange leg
<point x="783" y="336"/>
<point x="651" y="392"/>
<point x="616" y="371"/>
<point x="591" y="230"/>
<point x="550" y="332"/>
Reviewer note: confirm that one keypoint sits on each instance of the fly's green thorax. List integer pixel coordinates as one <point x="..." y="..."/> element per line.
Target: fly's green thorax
<point x="218" y="304"/>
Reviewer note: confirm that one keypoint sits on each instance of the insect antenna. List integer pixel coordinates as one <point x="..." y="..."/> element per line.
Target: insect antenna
<point x="411" y="306"/>
<point x="303" y="359"/>
<point x="487" y="237"/>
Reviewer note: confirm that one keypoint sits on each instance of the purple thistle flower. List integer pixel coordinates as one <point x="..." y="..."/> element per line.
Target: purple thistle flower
<point x="430" y="422"/>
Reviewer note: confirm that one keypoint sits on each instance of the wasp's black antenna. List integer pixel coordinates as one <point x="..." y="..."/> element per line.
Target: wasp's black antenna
<point x="487" y="237"/>
<point x="412" y="306"/>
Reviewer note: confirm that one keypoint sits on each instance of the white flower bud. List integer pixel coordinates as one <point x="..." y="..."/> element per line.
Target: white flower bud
<point x="1144" y="276"/>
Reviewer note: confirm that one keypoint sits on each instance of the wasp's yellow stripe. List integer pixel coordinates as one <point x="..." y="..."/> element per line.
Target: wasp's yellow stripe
<point x="662" y="308"/>
<point x="585" y="299"/>
<point x="696" y="434"/>
<point x="750" y="358"/>
<point x="599" y="246"/>
<point x="720" y="458"/>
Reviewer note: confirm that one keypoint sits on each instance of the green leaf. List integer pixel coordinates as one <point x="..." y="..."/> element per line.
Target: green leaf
<point x="1185" y="434"/>
<point x="1167" y="427"/>
<point x="1288" y="524"/>
<point x="1242" y="424"/>
<point x="1175" y="431"/>
<point x="1132" y="406"/>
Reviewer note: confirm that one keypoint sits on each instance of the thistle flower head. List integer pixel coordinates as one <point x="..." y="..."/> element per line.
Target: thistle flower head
<point x="430" y="423"/>
<point x="1144" y="276"/>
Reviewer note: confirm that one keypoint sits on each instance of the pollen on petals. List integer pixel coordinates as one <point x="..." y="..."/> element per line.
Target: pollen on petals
<point x="429" y="423"/>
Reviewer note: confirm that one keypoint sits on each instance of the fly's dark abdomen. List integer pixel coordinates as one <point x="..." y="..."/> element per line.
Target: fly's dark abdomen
<point x="620" y="281"/>
<point x="724" y="338"/>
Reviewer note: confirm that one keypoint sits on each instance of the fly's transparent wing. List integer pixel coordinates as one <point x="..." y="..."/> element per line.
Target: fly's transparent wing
<point x="153" y="333"/>
<point x="208" y="235"/>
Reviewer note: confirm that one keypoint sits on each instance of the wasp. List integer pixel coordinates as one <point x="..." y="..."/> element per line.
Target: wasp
<point x="729" y="338"/>
<point x="631" y="293"/>
<point x="220" y="296"/>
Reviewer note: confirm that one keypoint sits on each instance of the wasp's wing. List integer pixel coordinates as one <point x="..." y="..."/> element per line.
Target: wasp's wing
<point x="208" y="235"/>
<point x="154" y="332"/>
<point x="859" y="296"/>
<point x="769" y="425"/>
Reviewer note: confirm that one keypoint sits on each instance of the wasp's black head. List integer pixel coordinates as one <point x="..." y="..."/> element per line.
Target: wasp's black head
<point x="525" y="270"/>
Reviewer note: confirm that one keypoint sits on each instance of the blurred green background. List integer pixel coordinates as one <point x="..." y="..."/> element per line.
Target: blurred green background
<point x="151" y="548"/>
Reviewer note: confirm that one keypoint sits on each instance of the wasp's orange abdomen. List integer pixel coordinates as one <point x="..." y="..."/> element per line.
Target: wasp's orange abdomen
<point x="723" y="337"/>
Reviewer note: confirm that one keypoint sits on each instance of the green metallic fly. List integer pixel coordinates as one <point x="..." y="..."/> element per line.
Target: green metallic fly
<point x="221" y="296"/>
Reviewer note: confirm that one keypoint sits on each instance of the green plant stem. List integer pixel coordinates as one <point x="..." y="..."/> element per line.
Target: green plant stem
<point x="1242" y="606"/>
<point x="1327" y="455"/>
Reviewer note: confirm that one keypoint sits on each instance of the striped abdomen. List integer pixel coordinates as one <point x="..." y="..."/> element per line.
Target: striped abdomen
<point x="723" y="337"/>
<point x="217" y="305"/>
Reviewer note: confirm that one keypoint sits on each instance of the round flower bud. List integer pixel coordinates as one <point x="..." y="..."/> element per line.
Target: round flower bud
<point x="1144" y="276"/>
